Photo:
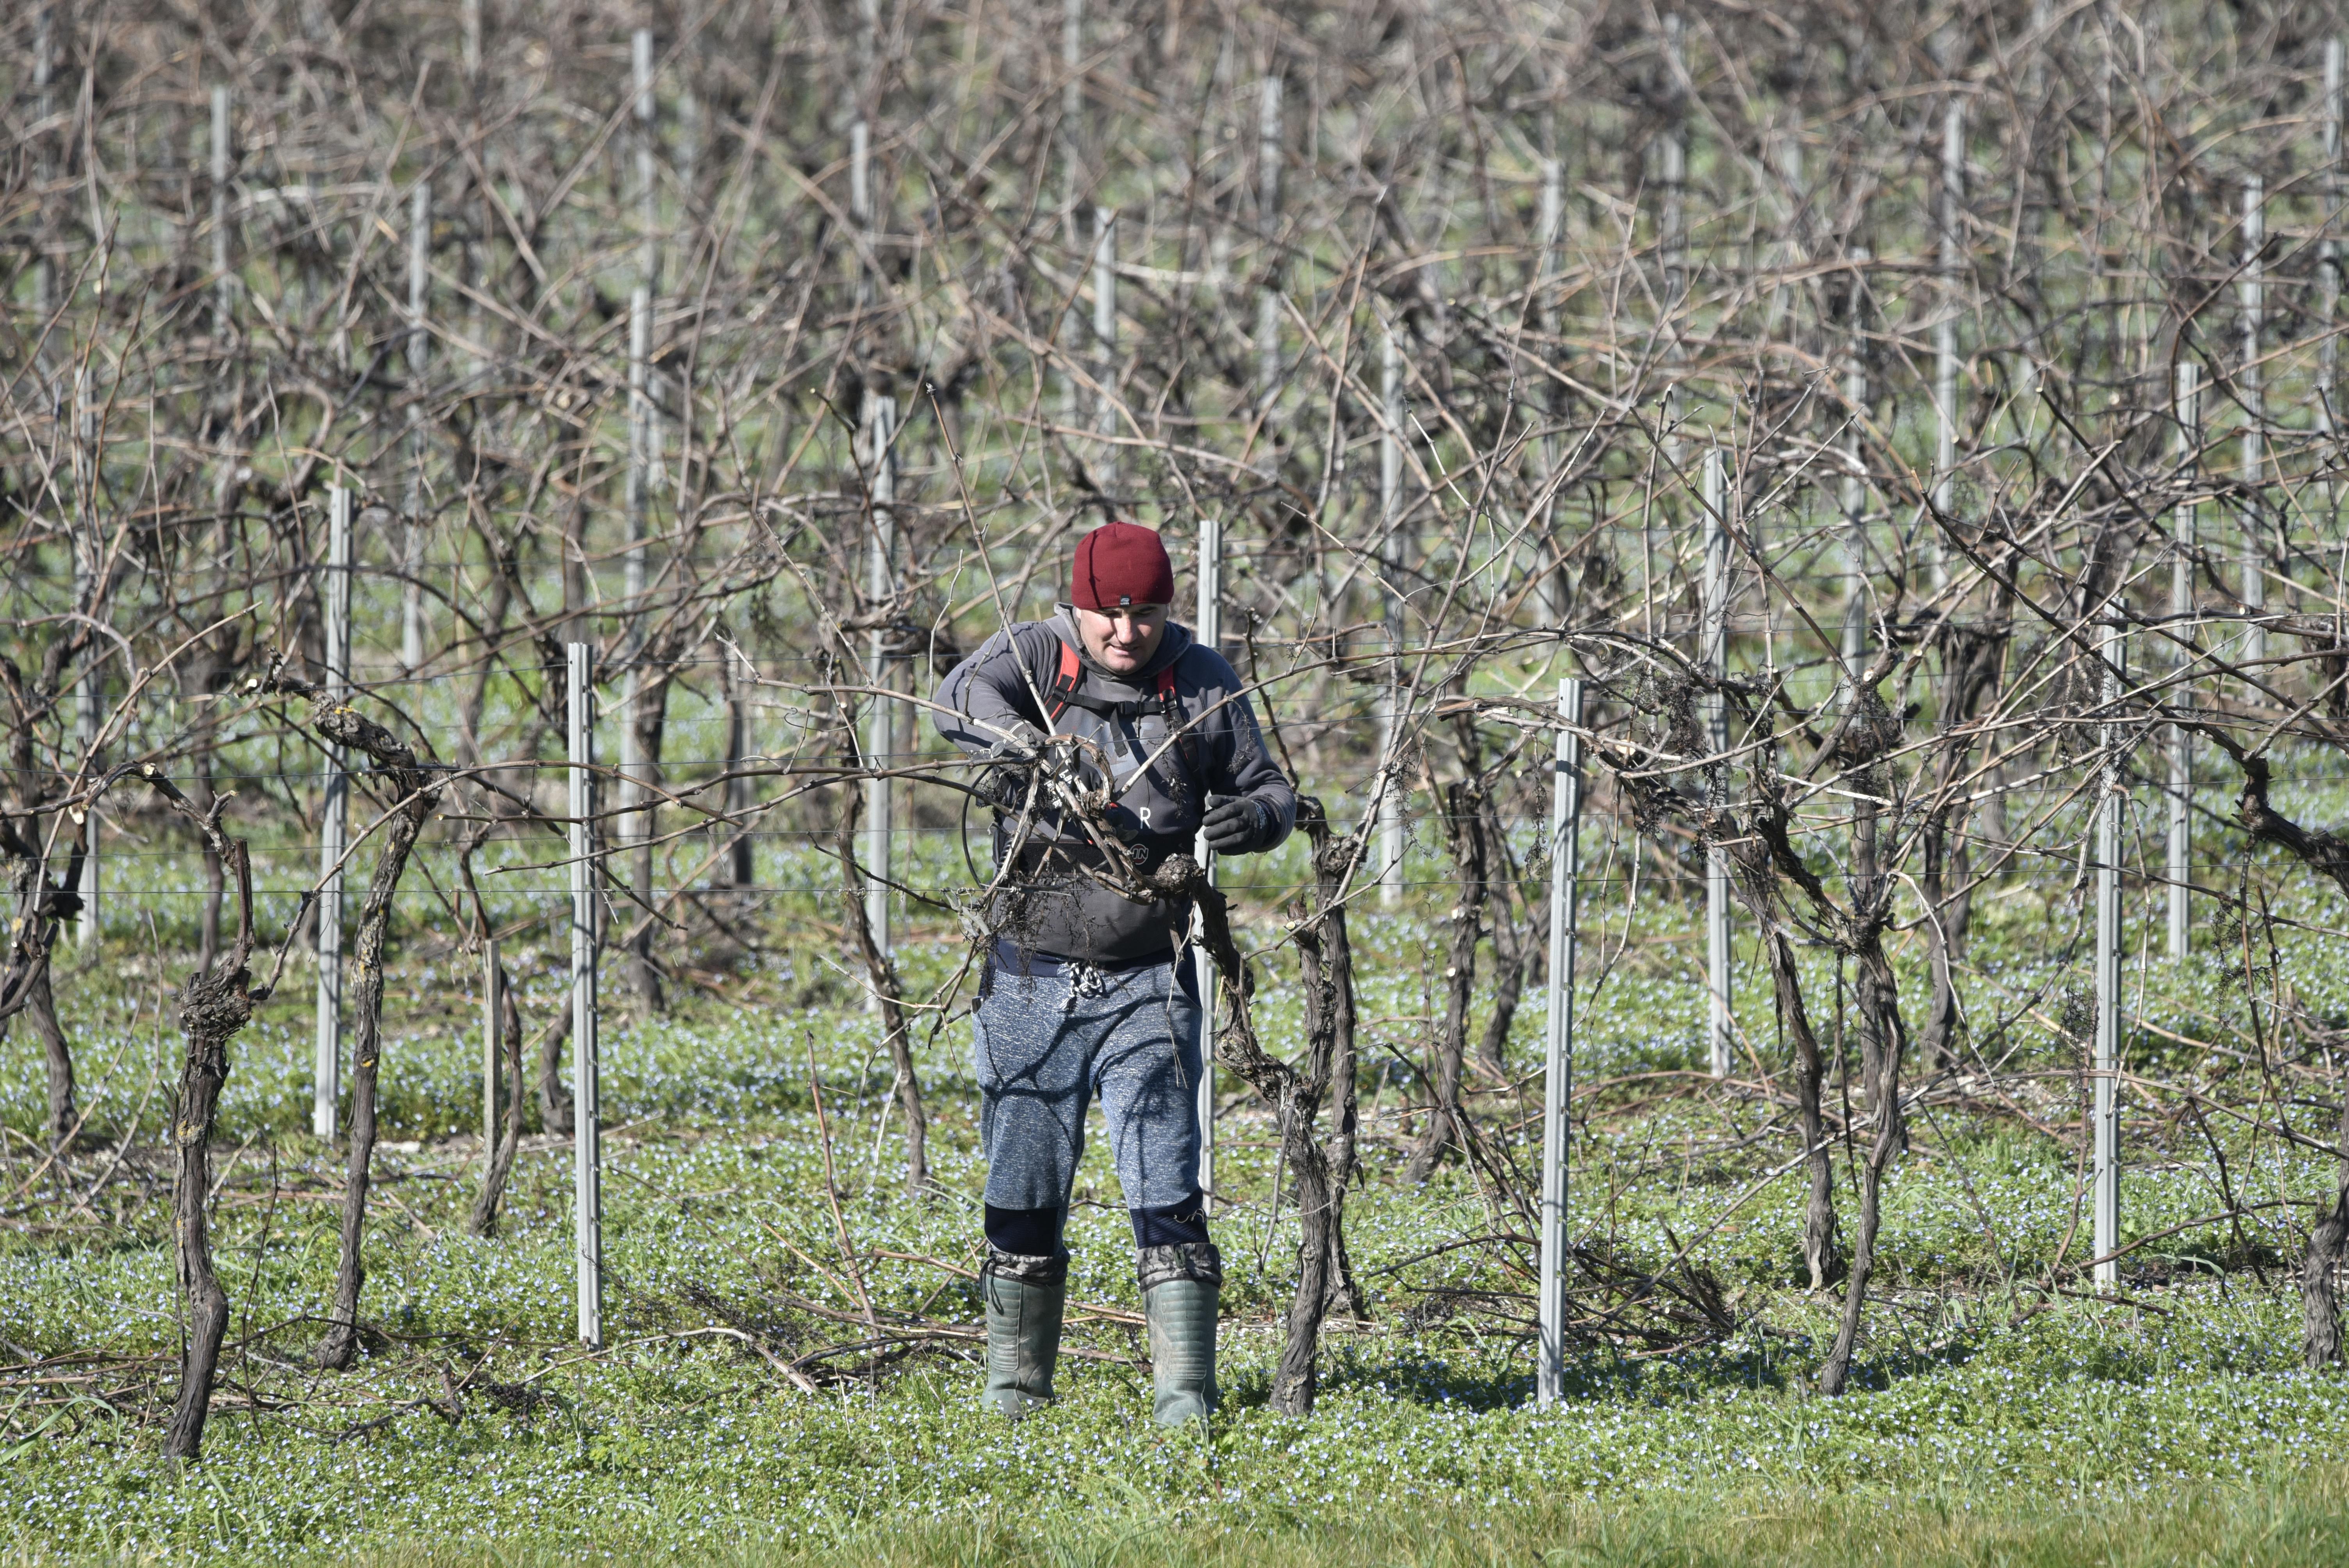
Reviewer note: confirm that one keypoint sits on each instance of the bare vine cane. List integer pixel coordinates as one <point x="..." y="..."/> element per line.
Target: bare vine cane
<point x="416" y="792"/>
<point x="1855" y="929"/>
<point x="215" y="1004"/>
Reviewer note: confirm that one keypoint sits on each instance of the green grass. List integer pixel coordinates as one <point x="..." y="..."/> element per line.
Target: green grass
<point x="1989" y="1422"/>
<point x="2305" y="1522"/>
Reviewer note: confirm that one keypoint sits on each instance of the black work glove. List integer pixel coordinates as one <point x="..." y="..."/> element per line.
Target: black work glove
<point x="1005" y="787"/>
<point x="1016" y="757"/>
<point x="1239" y="824"/>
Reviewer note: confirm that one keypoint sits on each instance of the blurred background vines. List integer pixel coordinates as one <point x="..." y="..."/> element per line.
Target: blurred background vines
<point x="1914" y="424"/>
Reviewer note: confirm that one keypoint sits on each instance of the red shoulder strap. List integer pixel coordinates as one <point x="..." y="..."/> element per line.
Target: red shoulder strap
<point x="1065" y="681"/>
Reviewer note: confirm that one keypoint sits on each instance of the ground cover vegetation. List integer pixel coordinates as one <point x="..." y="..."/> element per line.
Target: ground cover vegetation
<point x="1913" y="425"/>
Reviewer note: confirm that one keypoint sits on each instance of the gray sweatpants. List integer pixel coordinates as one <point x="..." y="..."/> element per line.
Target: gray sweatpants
<point x="1045" y="1044"/>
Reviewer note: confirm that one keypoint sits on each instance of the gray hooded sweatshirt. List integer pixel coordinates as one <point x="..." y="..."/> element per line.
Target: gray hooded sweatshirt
<point x="1050" y="906"/>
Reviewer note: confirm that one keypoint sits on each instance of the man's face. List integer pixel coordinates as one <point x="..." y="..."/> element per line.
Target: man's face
<point x="1122" y="639"/>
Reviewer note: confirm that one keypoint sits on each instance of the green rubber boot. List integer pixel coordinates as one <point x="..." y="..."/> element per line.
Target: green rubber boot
<point x="1180" y="1288"/>
<point x="1023" y="1296"/>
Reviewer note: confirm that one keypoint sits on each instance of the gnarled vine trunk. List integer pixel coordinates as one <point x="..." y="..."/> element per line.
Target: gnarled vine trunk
<point x="1325" y="952"/>
<point x="483" y="1221"/>
<point x="213" y="1006"/>
<point x="1810" y="1082"/>
<point x="24" y="986"/>
<point x="415" y="793"/>
<point x="41" y="1015"/>
<point x="1294" y="1098"/>
<point x="1883" y="1042"/>
<point x="2327" y="853"/>
<point x="1463" y="800"/>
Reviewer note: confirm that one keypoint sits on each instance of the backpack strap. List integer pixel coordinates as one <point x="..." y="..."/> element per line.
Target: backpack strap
<point x="1170" y="708"/>
<point x="1066" y="679"/>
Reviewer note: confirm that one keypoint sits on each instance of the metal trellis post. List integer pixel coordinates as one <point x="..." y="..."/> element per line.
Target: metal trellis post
<point x="1072" y="179"/>
<point x="488" y="1045"/>
<point x="632" y="828"/>
<point x="868" y="95"/>
<point x="1105" y="330"/>
<point x="333" y="819"/>
<point x="588" y="1133"/>
<point x="647" y="114"/>
<point x="644" y="455"/>
<point x="224" y="286"/>
<point x="419" y="349"/>
<point x="1672" y="221"/>
<point x="1073" y="97"/>
<point x="90" y="690"/>
<point x="2254" y="396"/>
<point x="1558" y="1061"/>
<point x="860" y="188"/>
<point x="44" y="266"/>
<point x="1209" y="632"/>
<point x="2328" y="250"/>
<point x="2181" y="742"/>
<point x="1268" y="299"/>
<point x="1719" y="1025"/>
<point x="1945" y="330"/>
<point x="1390" y="788"/>
<point x="647" y="388"/>
<point x="1854" y="486"/>
<point x="2110" y="804"/>
<point x="1552" y="595"/>
<point x="880" y="745"/>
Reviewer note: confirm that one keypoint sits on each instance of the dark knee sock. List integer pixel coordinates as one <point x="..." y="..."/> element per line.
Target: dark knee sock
<point x="1029" y="1233"/>
<point x="1172" y="1224"/>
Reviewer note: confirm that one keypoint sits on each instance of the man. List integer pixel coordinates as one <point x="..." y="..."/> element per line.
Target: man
<point x="1082" y="993"/>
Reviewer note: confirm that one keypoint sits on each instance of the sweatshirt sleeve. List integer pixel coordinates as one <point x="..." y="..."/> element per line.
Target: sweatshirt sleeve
<point x="986" y="695"/>
<point x="1239" y="761"/>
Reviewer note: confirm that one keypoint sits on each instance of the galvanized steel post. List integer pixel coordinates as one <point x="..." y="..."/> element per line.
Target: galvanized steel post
<point x="588" y="1133"/>
<point x="1209" y="634"/>
<point x="1558" y="1060"/>
<point x="333" y="823"/>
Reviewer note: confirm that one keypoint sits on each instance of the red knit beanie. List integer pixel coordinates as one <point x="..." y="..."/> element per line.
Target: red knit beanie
<point x="1121" y="564"/>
